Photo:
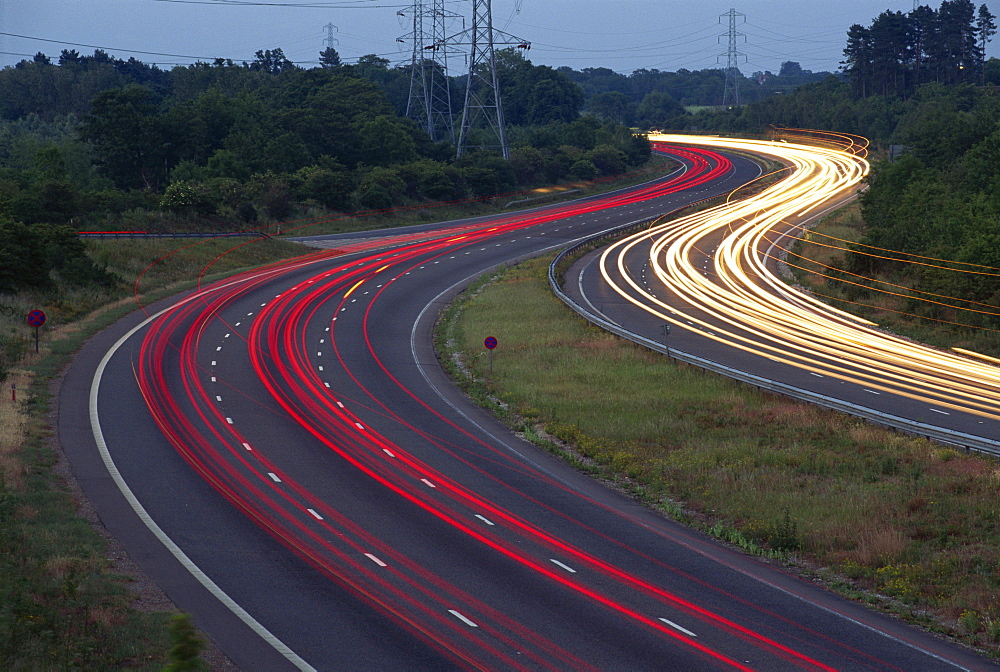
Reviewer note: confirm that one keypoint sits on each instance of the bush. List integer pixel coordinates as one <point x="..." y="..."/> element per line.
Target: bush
<point x="584" y="169"/>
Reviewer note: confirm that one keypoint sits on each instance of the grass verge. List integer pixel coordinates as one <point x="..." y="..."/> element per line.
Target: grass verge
<point x="61" y="605"/>
<point x="898" y="522"/>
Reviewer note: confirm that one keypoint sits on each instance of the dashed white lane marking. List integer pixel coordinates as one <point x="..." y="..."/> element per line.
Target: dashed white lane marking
<point x="213" y="362"/>
<point x="677" y="627"/>
<point x="315" y="515"/>
<point x="812" y="373"/>
<point x="359" y="425"/>
<point x="228" y="335"/>
<point x="237" y="324"/>
<point x="262" y="305"/>
<point x="320" y="367"/>
<point x="375" y="560"/>
<point x="218" y="348"/>
<point x="340" y="404"/>
<point x="214" y="380"/>
<point x="462" y="618"/>
<point x="247" y="446"/>
<point x="328" y="329"/>
<point x="229" y="420"/>
<point x="941" y="412"/>
<point x="322" y="340"/>
<point x="319" y="354"/>
<point x="485" y="519"/>
<point x="872" y="391"/>
<point x="428" y="483"/>
<point x="327" y="384"/>
<point x="566" y="567"/>
<point x="388" y="452"/>
<point x="218" y="398"/>
<point x="274" y="477"/>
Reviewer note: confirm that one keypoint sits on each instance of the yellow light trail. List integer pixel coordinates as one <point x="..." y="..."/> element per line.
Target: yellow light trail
<point x="731" y="296"/>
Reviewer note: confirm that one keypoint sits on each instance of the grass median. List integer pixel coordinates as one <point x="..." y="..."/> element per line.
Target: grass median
<point x="896" y="521"/>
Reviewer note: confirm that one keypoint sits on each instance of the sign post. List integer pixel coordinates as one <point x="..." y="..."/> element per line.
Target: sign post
<point x="665" y="330"/>
<point x="36" y="319"/>
<point x="490" y="343"/>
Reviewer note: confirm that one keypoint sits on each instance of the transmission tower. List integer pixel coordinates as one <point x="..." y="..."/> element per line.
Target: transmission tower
<point x="429" y="102"/>
<point x="731" y="95"/>
<point x="330" y="40"/>
<point x="482" y="91"/>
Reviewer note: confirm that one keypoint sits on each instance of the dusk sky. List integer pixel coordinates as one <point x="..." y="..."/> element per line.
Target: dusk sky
<point x="623" y="35"/>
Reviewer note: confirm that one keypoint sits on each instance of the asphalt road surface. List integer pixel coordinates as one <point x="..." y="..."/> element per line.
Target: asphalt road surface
<point x="282" y="453"/>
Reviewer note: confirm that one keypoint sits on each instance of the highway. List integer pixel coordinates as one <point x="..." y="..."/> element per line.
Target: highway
<point x="714" y="278"/>
<point x="282" y="453"/>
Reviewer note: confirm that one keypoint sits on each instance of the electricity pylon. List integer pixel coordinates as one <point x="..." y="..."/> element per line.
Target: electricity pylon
<point x="482" y="91"/>
<point x="429" y="102"/>
<point x="731" y="94"/>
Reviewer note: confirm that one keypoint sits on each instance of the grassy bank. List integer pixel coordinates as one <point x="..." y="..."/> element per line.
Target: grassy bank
<point x="61" y="605"/>
<point x="896" y="521"/>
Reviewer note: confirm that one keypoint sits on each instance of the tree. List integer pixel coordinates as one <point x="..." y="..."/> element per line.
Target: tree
<point x="612" y="106"/>
<point x="329" y="59"/>
<point x="657" y="109"/>
<point x="535" y="94"/>
<point x="986" y="28"/>
<point x="128" y="139"/>
<point x="790" y="69"/>
<point x="69" y="57"/>
<point x="271" y="62"/>
<point x="385" y="140"/>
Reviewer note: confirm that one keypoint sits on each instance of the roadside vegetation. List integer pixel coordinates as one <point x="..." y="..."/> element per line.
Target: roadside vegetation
<point x="898" y="522"/>
<point x="61" y="605"/>
<point x="100" y="143"/>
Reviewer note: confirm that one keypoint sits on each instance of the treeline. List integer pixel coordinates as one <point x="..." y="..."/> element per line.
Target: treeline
<point x="652" y="98"/>
<point x="900" y="51"/>
<point x="244" y="144"/>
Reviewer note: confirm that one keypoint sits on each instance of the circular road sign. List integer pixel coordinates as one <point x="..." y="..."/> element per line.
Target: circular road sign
<point x="36" y="318"/>
<point x="490" y="342"/>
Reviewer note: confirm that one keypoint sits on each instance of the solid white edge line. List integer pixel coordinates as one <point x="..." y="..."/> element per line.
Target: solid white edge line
<point x="677" y="627"/>
<point x="564" y="566"/>
<point x="462" y="618"/>
<point x="140" y="511"/>
<point x="375" y="560"/>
